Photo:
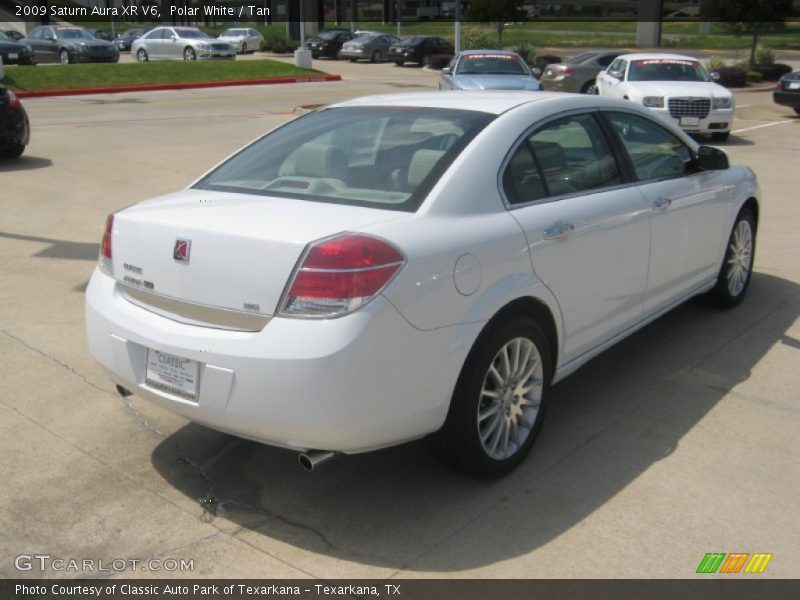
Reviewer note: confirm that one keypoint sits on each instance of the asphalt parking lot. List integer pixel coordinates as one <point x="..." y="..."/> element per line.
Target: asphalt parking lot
<point x="679" y="441"/>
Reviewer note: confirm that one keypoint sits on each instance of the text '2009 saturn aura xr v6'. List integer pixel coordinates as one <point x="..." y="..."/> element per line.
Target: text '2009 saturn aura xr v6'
<point x="397" y="266"/>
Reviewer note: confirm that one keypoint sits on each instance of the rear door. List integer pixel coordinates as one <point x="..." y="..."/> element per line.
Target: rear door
<point x="587" y="229"/>
<point x="687" y="209"/>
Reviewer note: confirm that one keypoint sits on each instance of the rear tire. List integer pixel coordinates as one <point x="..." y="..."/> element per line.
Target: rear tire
<point x="720" y="136"/>
<point x="376" y="56"/>
<point x="399" y="63"/>
<point x="426" y="60"/>
<point x="353" y="59"/>
<point x="737" y="265"/>
<point x="590" y="87"/>
<point x="499" y="401"/>
<point x="797" y="110"/>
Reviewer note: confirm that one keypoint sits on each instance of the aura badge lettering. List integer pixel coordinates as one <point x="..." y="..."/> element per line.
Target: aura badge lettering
<point x="735" y="562"/>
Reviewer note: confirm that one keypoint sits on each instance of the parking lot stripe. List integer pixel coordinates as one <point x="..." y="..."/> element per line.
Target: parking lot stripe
<point x="760" y="126"/>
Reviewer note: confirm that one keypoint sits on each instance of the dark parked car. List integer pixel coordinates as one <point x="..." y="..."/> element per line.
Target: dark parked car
<point x="69" y="45"/>
<point x="419" y="49"/>
<point x="328" y="43"/>
<point x="14" y="34"/>
<point x="125" y="41"/>
<point x="787" y="92"/>
<point x="102" y="34"/>
<point x="15" y="130"/>
<point x="15" y="53"/>
<point x="578" y="74"/>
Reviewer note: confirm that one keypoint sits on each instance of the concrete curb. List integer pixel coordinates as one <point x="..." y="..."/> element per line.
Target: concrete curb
<point x="156" y="87"/>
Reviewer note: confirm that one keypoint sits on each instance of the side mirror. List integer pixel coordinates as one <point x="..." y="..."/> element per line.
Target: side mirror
<point x="714" y="75"/>
<point x="712" y="159"/>
<point x="537" y="72"/>
<point x="615" y="74"/>
<point x="446" y="71"/>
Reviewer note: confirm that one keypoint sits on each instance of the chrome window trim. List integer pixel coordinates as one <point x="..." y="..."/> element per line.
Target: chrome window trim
<point x="193" y="313"/>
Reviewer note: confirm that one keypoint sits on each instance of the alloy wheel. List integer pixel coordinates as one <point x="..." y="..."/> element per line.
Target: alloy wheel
<point x="741" y="257"/>
<point x="510" y="398"/>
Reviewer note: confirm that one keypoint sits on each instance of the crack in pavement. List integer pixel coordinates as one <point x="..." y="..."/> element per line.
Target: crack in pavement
<point x="139" y="416"/>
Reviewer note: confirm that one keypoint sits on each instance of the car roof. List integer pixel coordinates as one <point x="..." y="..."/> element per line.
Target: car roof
<point x="489" y="51"/>
<point x="654" y="55"/>
<point x="494" y="102"/>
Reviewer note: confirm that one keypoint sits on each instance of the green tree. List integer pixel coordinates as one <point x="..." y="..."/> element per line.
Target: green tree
<point x="752" y="18"/>
<point x="498" y="12"/>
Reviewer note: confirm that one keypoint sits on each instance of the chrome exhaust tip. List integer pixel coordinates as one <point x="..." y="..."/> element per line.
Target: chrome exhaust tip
<point x="314" y="459"/>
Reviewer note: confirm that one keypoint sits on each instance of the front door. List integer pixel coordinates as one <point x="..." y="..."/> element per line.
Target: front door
<point x="587" y="232"/>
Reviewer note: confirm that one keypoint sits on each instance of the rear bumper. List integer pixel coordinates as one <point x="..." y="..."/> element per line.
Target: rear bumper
<point x="564" y="84"/>
<point x="356" y="53"/>
<point x="352" y="384"/>
<point x="787" y="98"/>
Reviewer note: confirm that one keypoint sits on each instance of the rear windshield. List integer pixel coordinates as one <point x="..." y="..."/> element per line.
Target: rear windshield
<point x="666" y="69"/>
<point x="581" y="58"/>
<point x="492" y="64"/>
<point x="381" y="157"/>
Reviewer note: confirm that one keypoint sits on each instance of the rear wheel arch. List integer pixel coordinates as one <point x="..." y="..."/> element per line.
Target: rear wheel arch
<point x="533" y="308"/>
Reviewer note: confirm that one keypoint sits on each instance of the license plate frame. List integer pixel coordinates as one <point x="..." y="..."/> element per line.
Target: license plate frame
<point x="690" y="121"/>
<point x="173" y="374"/>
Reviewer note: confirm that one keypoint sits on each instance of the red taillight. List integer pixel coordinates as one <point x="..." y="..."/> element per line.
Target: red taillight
<point x="339" y="275"/>
<point x="13" y="101"/>
<point x="106" y="264"/>
<point x="568" y="70"/>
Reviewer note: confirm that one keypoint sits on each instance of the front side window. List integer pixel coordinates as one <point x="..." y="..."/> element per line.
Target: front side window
<point x="654" y="151"/>
<point x="564" y="157"/>
<point x="381" y="157"/>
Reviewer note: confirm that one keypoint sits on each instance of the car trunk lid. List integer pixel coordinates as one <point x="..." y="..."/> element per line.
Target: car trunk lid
<point x="231" y="251"/>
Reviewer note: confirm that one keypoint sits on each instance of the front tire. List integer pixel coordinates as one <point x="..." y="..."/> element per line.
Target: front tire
<point x="737" y="266"/>
<point x="499" y="401"/>
<point x="244" y="48"/>
<point x="376" y="56"/>
<point x="189" y="54"/>
<point x="12" y="151"/>
<point x="64" y="58"/>
<point x="141" y="56"/>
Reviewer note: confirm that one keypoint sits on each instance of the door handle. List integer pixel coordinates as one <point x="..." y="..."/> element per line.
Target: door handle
<point x="558" y="231"/>
<point x="661" y="202"/>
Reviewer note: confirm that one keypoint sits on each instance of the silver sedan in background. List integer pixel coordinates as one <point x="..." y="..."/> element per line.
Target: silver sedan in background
<point x="180" y="43"/>
<point x="578" y="74"/>
<point x="373" y="46"/>
<point x="243" y="39"/>
<point x="489" y="70"/>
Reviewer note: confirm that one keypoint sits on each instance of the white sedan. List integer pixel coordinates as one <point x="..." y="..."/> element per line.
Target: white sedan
<point x="243" y="39"/>
<point x="396" y="266"/>
<point x="674" y="86"/>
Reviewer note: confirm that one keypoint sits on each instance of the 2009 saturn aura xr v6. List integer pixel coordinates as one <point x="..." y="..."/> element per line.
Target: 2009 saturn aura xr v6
<point x="397" y="266"/>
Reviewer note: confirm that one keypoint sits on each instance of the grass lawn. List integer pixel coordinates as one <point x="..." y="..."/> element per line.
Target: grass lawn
<point x="50" y="77"/>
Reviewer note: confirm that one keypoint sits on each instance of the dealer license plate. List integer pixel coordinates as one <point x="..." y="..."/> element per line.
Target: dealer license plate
<point x="172" y="374"/>
<point x="794" y="85"/>
<point x="13" y="56"/>
<point x="689" y="121"/>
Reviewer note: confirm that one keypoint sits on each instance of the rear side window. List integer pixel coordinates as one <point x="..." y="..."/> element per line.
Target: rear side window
<point x="654" y="151"/>
<point x="382" y="157"/>
<point x="604" y="61"/>
<point x="567" y="156"/>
